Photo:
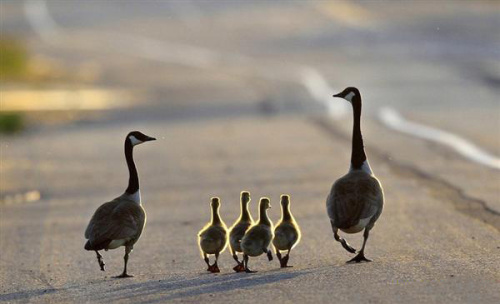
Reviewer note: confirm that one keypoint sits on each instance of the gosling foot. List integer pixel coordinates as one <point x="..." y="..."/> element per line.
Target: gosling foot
<point x="359" y="258"/>
<point x="249" y="271"/>
<point x="214" y="268"/>
<point x="284" y="262"/>
<point x="239" y="268"/>
<point x="347" y="246"/>
<point x="123" y="275"/>
<point x="269" y="255"/>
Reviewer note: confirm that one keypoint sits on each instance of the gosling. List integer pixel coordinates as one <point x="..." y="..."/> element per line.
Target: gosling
<point x="287" y="232"/>
<point x="238" y="230"/>
<point x="212" y="239"/>
<point x="258" y="237"/>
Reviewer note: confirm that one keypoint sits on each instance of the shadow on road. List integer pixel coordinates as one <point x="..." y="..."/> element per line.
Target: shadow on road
<point x="160" y="291"/>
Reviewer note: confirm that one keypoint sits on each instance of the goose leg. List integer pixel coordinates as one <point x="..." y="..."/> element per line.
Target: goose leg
<point x="215" y="267"/>
<point x="341" y="240"/>
<point x="124" y="274"/>
<point x="245" y="260"/>
<point x="360" y="257"/>
<point x="205" y="258"/>
<point x="99" y="260"/>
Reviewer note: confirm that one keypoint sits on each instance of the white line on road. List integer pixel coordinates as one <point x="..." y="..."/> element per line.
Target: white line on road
<point x="37" y="13"/>
<point x="394" y="120"/>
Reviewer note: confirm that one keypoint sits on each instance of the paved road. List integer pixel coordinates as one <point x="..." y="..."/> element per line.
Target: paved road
<point x="234" y="117"/>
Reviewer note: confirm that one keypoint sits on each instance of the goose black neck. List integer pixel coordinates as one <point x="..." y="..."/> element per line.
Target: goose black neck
<point x="215" y="216"/>
<point x="133" y="181"/>
<point x="358" y="156"/>
<point x="263" y="219"/>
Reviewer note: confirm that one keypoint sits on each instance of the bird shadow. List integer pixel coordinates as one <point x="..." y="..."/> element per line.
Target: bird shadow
<point x="26" y="294"/>
<point x="182" y="288"/>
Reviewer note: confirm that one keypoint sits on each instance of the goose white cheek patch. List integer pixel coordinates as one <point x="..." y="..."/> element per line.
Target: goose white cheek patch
<point x="134" y="140"/>
<point x="349" y="96"/>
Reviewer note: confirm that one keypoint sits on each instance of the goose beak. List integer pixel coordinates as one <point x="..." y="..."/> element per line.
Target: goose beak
<point x="150" y="138"/>
<point x="337" y="95"/>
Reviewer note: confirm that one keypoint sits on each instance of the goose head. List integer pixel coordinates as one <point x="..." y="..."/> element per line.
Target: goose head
<point x="348" y="94"/>
<point x="285" y="201"/>
<point x="245" y="197"/>
<point x="265" y="203"/>
<point x="137" y="138"/>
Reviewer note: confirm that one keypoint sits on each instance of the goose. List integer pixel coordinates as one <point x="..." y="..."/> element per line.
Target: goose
<point x="120" y="222"/>
<point x="258" y="237"/>
<point x="356" y="199"/>
<point x="287" y="232"/>
<point x="212" y="239"/>
<point x="237" y="231"/>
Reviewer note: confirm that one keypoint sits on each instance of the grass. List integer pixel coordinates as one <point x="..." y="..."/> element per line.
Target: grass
<point x="11" y="123"/>
<point x="13" y="59"/>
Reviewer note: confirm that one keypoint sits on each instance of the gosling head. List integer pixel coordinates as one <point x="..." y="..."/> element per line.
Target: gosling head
<point x="265" y="203"/>
<point x="348" y="94"/>
<point x="215" y="202"/>
<point x="245" y="196"/>
<point x="137" y="138"/>
<point x="285" y="201"/>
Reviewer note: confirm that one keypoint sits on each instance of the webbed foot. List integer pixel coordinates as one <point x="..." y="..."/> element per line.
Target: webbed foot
<point x="214" y="268"/>
<point x="358" y="259"/>
<point x="249" y="271"/>
<point x="239" y="268"/>
<point x="284" y="261"/>
<point x="123" y="275"/>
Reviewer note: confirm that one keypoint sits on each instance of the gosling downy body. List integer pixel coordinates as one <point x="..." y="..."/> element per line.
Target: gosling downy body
<point x="287" y="232"/>
<point x="238" y="230"/>
<point x="212" y="239"/>
<point x="120" y="222"/>
<point x="356" y="200"/>
<point x="259" y="236"/>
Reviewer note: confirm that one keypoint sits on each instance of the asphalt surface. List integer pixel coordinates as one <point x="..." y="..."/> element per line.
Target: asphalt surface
<point x="216" y="83"/>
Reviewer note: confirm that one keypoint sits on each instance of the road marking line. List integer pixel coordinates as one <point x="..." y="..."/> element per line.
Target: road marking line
<point x="309" y="77"/>
<point x="394" y="120"/>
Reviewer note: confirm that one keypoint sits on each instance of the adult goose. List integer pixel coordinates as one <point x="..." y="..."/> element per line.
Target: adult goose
<point x="258" y="237"/>
<point x="356" y="200"/>
<point x="287" y="232"/>
<point x="120" y="222"/>
<point x="212" y="239"/>
<point x="238" y="230"/>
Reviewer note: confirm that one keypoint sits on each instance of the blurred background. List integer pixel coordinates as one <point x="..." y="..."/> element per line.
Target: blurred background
<point x="222" y="78"/>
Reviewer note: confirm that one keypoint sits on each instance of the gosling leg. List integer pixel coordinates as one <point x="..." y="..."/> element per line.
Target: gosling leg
<point x="205" y="258"/>
<point x="239" y="267"/>
<point x="124" y="274"/>
<point x="215" y="267"/>
<point x="341" y="240"/>
<point x="245" y="261"/>
<point x="100" y="260"/>
<point x="360" y="257"/>
<point x="284" y="260"/>
<point x="278" y="255"/>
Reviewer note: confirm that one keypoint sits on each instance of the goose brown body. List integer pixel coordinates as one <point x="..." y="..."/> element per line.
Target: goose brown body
<point x="119" y="222"/>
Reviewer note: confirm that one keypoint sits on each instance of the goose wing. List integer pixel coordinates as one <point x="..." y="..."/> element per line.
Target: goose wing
<point x="354" y="197"/>
<point x="115" y="220"/>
